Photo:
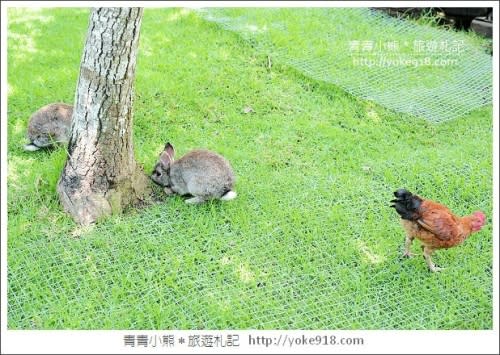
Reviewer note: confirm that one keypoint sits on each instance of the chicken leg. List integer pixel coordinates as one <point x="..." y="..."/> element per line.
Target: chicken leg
<point x="427" y="255"/>
<point x="408" y="241"/>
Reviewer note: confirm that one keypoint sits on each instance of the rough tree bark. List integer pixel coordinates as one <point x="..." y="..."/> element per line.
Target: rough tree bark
<point x="101" y="176"/>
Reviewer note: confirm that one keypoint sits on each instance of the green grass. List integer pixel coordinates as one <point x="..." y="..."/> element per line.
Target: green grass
<point x="309" y="243"/>
<point x="319" y="43"/>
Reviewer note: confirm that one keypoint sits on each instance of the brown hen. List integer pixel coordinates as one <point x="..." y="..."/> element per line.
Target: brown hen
<point x="433" y="224"/>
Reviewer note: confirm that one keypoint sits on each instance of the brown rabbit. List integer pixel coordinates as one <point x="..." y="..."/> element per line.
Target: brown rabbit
<point x="201" y="173"/>
<point x="49" y="126"/>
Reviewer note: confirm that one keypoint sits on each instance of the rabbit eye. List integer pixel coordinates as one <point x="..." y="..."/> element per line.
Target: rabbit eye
<point x="158" y="173"/>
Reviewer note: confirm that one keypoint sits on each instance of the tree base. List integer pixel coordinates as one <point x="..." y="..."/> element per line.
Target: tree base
<point x="88" y="203"/>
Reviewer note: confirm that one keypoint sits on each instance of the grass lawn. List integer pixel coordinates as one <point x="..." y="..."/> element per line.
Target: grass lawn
<point x="309" y="243"/>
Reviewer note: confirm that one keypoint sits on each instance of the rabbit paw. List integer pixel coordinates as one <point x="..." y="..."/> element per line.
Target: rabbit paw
<point x="195" y="200"/>
<point x="168" y="191"/>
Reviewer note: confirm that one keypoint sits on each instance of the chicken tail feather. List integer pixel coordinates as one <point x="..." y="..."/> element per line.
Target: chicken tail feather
<point x="406" y="204"/>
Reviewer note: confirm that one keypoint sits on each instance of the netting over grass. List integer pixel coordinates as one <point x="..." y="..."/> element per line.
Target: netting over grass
<point x="294" y="271"/>
<point x="420" y="70"/>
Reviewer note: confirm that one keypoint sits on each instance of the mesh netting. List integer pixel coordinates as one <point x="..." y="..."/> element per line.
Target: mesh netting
<point x="420" y="70"/>
<point x="157" y="271"/>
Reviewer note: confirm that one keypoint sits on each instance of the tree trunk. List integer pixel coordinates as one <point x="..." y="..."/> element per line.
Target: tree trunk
<point x="101" y="176"/>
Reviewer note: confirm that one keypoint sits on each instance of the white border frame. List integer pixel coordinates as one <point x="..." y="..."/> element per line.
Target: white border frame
<point x="375" y="342"/>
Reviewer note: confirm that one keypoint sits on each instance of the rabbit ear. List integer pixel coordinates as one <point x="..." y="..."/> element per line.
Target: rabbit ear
<point x="167" y="156"/>
<point x="165" y="159"/>
<point x="169" y="149"/>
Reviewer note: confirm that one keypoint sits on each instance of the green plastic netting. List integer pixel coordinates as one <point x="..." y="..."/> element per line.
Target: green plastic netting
<point x="419" y="70"/>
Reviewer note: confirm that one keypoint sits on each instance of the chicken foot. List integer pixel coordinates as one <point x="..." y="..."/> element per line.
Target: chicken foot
<point x="408" y="242"/>
<point x="427" y="255"/>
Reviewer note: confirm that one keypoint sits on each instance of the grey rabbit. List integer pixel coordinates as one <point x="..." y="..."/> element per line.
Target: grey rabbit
<point x="49" y="126"/>
<point x="203" y="174"/>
